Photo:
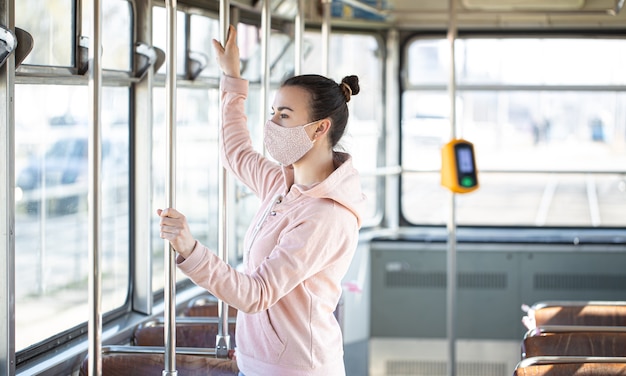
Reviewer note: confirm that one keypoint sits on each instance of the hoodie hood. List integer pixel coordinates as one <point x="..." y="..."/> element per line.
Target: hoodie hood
<point x="342" y="186"/>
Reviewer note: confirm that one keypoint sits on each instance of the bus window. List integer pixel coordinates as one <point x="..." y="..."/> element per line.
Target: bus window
<point x="203" y="31"/>
<point x="159" y="39"/>
<point x="51" y="218"/>
<point x="358" y="54"/>
<point x="48" y="24"/>
<point x="197" y="174"/>
<point x="546" y="116"/>
<point x="117" y="34"/>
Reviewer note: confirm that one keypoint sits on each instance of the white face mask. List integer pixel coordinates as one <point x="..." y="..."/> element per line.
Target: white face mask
<point x="287" y="144"/>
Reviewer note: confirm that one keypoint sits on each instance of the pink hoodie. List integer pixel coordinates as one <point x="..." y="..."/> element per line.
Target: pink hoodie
<point x="296" y="252"/>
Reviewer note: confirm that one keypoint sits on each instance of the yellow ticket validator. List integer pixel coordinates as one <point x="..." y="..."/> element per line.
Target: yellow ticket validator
<point x="458" y="166"/>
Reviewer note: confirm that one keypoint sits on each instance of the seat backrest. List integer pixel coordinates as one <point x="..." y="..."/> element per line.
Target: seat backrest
<point x="187" y="334"/>
<point x="206" y="307"/>
<point x="598" y="315"/>
<point x="123" y="364"/>
<point x="578" y="343"/>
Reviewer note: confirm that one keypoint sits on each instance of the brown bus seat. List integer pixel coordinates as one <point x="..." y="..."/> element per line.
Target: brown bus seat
<point x="576" y="313"/>
<point x="582" y="342"/>
<point x="125" y="364"/>
<point x="188" y="334"/>
<point x="206" y="306"/>
<point x="571" y="366"/>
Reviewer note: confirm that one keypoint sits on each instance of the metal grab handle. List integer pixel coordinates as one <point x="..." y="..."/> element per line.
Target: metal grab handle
<point x="146" y="57"/>
<point x="8" y="44"/>
<point x="25" y="44"/>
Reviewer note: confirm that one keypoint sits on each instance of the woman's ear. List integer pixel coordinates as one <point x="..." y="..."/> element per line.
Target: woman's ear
<point x="322" y="127"/>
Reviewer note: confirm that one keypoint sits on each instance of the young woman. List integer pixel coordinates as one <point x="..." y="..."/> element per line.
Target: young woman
<point x="301" y="241"/>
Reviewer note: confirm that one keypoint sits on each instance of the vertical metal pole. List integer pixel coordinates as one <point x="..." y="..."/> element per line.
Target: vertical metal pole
<point x="325" y="36"/>
<point x="392" y="105"/>
<point x="222" y="341"/>
<point x="7" y="200"/>
<point x="299" y="38"/>
<point x="95" y="278"/>
<point x="141" y="139"/>
<point x="266" y="28"/>
<point x="451" y="226"/>
<point x="169" y="293"/>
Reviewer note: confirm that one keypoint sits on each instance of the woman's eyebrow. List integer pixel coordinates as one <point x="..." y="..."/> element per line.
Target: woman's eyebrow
<point x="283" y="108"/>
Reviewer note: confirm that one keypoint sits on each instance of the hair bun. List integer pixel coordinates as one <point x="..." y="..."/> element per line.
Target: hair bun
<point x="349" y="86"/>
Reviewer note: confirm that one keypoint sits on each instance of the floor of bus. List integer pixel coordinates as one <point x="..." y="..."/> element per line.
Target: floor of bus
<point x="356" y="358"/>
<point x="417" y="356"/>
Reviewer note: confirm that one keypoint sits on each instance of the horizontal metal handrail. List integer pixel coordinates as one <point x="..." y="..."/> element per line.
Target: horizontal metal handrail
<point x="576" y="303"/>
<point x="209" y="351"/>
<point x="540" y="360"/>
<point x="198" y="320"/>
<point x="496" y="171"/>
<point x="574" y="329"/>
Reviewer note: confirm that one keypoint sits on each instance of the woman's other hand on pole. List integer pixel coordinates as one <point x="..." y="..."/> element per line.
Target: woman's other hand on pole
<point x="175" y="229"/>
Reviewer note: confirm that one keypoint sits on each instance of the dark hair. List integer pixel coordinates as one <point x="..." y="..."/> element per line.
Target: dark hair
<point x="328" y="99"/>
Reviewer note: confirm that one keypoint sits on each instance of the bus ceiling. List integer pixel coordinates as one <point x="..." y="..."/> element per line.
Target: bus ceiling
<point x="471" y="14"/>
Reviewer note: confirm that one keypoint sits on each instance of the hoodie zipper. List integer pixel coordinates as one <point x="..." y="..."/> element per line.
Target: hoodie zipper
<point x="275" y="201"/>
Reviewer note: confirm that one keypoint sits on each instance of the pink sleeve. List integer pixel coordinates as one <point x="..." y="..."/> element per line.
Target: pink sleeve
<point x="237" y="152"/>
